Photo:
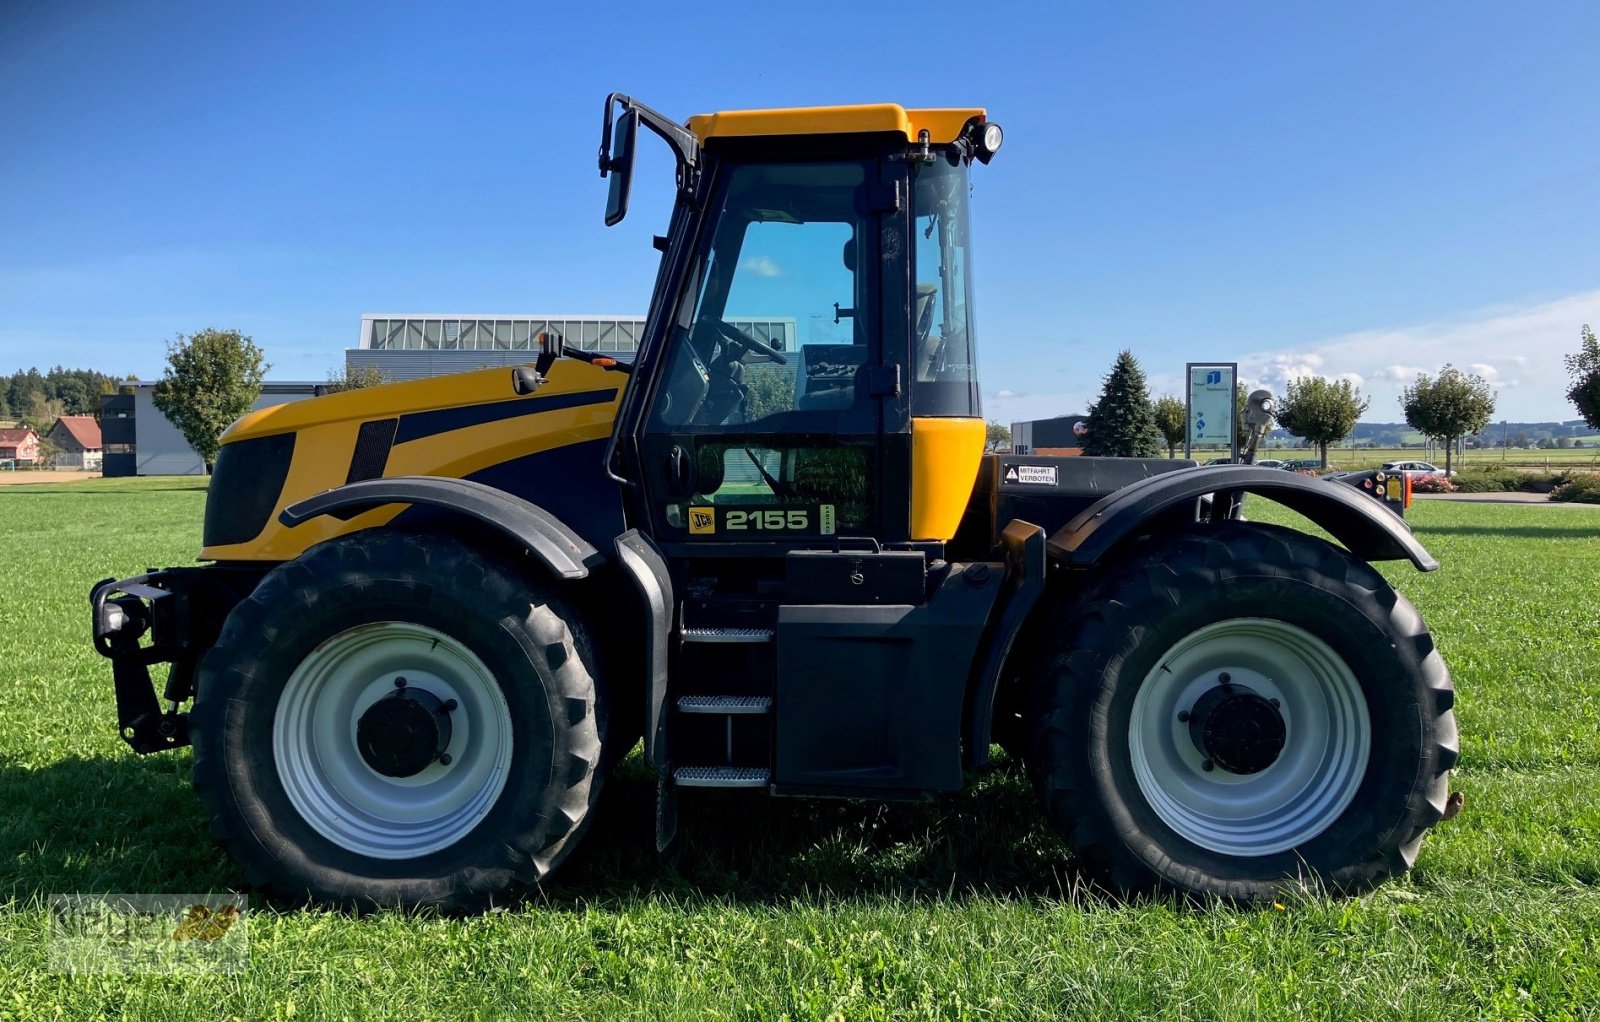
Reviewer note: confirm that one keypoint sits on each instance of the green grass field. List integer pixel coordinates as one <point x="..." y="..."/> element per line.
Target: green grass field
<point x="964" y="908"/>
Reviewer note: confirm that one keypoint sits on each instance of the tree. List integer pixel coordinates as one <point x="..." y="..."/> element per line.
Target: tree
<point x="1452" y="406"/>
<point x="1585" y="370"/>
<point x="21" y="388"/>
<point x="1321" y="411"/>
<point x="996" y="436"/>
<point x="354" y="378"/>
<point x="49" y="451"/>
<point x="1172" y="421"/>
<point x="768" y="391"/>
<point x="41" y="411"/>
<point x="212" y="378"/>
<point x="73" y="394"/>
<point x="1241" y="429"/>
<point x="1122" y="424"/>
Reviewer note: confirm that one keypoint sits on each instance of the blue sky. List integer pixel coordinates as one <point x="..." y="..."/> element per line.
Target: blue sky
<point x="1346" y="189"/>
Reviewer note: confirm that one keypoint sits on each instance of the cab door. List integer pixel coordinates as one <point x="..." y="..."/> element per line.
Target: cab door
<point x="766" y="420"/>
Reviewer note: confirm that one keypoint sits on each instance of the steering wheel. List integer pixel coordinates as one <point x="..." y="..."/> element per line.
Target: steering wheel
<point x="733" y="335"/>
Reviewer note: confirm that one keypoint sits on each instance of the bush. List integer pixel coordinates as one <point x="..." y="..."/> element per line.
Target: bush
<point x="1432" y="484"/>
<point x="1490" y="480"/>
<point x="1493" y="479"/>
<point x="1579" y="488"/>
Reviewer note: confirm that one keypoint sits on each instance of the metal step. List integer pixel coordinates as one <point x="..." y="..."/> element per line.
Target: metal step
<point x="727" y="634"/>
<point x="721" y="777"/>
<point x="724" y="704"/>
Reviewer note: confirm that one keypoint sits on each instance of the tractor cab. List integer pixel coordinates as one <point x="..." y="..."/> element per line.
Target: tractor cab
<point x="810" y="341"/>
<point x="802" y="436"/>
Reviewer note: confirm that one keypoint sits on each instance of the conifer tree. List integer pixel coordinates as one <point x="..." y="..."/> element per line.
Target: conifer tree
<point x="1122" y="424"/>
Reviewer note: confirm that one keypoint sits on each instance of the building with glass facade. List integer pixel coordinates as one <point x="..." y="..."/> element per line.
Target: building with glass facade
<point x="411" y="346"/>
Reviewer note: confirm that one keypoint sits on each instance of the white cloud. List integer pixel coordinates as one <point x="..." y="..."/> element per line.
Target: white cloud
<point x="1399" y="374"/>
<point x="761" y="266"/>
<point x="1517" y="350"/>
<point x="1492" y="375"/>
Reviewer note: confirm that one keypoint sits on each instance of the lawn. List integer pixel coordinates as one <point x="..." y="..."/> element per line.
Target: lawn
<point x="964" y="908"/>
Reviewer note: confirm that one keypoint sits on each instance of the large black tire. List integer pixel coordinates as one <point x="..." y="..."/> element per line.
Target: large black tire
<point x="519" y="630"/>
<point x="1098" y="648"/>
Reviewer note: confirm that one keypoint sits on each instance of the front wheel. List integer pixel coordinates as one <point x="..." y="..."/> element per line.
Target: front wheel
<point x="1240" y="709"/>
<point x="398" y="719"/>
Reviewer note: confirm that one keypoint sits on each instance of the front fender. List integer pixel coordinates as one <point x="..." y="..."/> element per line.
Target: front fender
<point x="1366" y="528"/>
<point x="561" y="550"/>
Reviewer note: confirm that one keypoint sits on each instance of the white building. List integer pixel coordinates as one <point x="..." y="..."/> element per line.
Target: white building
<point x="411" y="346"/>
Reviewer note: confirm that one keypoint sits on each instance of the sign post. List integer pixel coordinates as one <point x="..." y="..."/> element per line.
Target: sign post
<point x="1212" y="407"/>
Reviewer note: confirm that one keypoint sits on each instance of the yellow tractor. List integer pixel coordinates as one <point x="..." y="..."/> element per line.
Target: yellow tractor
<point x="437" y="613"/>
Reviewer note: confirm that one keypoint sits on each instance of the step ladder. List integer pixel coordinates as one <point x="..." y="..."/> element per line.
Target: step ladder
<point x="726" y="635"/>
<point x="729" y="707"/>
<point x="723" y="776"/>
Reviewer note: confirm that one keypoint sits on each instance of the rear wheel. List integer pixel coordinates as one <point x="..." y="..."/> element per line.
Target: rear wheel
<point x="1239" y="709"/>
<point x="396" y="719"/>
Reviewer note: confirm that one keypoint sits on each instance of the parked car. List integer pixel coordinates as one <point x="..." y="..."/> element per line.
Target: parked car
<point x="1415" y="469"/>
<point x="1269" y="463"/>
<point x="1304" y="465"/>
<point x="1219" y="461"/>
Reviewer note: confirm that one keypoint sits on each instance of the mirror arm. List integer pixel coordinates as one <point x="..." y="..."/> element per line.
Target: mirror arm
<point x="683" y="141"/>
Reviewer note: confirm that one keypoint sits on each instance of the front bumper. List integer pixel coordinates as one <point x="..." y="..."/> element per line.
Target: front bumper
<point x="171" y="616"/>
<point x="124" y="611"/>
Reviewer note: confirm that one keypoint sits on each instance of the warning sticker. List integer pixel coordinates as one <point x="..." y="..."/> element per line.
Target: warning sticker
<point x="1036" y="475"/>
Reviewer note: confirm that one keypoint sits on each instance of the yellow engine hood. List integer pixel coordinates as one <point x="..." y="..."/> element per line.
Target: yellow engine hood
<point x="443" y="426"/>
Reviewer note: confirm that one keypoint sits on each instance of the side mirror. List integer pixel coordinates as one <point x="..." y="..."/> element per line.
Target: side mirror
<point x="1259" y="409"/>
<point x="619" y="166"/>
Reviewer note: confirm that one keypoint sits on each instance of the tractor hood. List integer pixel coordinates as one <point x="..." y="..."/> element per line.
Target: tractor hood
<point x="466" y="425"/>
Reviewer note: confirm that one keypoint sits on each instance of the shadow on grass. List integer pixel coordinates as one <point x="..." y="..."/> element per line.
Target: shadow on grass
<point x="133" y="825"/>
<point x="989" y="838"/>
<point x="108" y="826"/>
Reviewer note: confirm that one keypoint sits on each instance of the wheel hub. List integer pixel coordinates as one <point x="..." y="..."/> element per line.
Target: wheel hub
<point x="1237" y="729"/>
<point x="405" y="731"/>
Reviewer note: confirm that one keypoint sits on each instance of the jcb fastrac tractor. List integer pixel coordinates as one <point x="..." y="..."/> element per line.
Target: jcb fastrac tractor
<point x="437" y="613"/>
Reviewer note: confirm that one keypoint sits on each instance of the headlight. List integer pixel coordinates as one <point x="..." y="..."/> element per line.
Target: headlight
<point x="987" y="142"/>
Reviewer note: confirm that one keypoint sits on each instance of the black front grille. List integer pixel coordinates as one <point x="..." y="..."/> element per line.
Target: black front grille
<point x="245" y="484"/>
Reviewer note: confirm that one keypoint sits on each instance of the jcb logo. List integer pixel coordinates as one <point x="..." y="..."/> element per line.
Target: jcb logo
<point x="702" y="521"/>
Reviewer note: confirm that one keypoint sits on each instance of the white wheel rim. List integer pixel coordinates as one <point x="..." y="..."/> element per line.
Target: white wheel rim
<point x="332" y="786"/>
<point x="1327" y="738"/>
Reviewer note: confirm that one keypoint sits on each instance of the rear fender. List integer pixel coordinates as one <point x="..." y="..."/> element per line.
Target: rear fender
<point x="1367" y="529"/>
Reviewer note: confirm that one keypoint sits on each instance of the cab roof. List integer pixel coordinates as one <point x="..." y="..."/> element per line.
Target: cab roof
<point x="942" y="125"/>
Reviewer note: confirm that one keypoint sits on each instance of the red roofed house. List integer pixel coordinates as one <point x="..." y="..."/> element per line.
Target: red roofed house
<point x="19" y="445"/>
<point x="78" y="438"/>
